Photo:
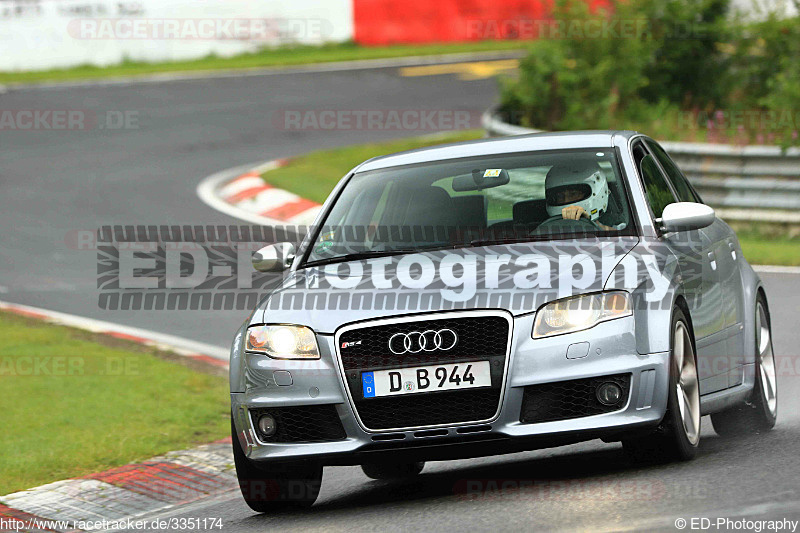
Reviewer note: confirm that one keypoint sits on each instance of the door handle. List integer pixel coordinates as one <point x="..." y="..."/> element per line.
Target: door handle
<point x="713" y="260"/>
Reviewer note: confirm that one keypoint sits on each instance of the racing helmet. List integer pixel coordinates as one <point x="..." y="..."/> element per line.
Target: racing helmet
<point x="576" y="183"/>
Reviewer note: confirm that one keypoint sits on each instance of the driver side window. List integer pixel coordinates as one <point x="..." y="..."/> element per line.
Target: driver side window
<point x="659" y="194"/>
<point x="682" y="187"/>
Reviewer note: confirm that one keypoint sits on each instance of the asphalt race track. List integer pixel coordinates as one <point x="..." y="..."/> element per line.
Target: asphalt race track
<point x="53" y="183"/>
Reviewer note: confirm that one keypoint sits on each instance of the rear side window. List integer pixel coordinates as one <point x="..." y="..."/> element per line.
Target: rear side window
<point x="656" y="188"/>
<point x="682" y="188"/>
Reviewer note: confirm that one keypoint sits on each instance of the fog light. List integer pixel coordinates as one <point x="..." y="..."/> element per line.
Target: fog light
<point x="267" y="425"/>
<point x="609" y="393"/>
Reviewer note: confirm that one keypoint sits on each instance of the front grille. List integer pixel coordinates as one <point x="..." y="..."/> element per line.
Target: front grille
<point x="564" y="400"/>
<point x="477" y="336"/>
<point x="431" y="409"/>
<point x="480" y="338"/>
<point x="310" y="423"/>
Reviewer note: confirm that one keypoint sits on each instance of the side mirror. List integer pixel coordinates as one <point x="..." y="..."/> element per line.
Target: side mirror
<point x="274" y="258"/>
<point x="686" y="216"/>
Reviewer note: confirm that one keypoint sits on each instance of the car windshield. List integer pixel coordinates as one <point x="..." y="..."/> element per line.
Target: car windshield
<point x="475" y="201"/>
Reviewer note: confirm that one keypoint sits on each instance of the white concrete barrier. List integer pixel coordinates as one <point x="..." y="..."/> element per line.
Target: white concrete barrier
<point x="43" y="34"/>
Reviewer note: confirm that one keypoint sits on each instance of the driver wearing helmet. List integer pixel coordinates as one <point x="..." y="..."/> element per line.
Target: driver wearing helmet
<point x="579" y="189"/>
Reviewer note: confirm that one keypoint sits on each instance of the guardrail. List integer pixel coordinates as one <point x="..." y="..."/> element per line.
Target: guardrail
<point x="743" y="183"/>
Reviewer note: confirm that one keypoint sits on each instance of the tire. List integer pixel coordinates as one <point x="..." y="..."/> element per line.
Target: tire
<point x="275" y="489"/>
<point x="392" y="470"/>
<point x="678" y="435"/>
<point x="759" y="413"/>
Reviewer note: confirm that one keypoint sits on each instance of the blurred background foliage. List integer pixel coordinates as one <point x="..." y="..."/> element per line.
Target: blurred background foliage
<point x="692" y="70"/>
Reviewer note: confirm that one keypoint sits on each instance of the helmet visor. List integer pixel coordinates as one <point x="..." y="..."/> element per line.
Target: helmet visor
<point x="568" y="194"/>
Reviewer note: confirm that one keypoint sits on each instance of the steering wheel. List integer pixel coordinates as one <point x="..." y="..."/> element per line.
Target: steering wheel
<point x="555" y="223"/>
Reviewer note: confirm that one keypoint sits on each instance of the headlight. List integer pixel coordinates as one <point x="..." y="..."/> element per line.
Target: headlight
<point x="580" y="312"/>
<point x="283" y="342"/>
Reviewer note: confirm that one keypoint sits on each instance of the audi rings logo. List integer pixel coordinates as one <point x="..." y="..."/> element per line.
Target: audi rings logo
<point x="423" y="341"/>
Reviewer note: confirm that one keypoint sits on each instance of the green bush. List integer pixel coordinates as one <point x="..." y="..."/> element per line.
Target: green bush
<point x="781" y="82"/>
<point x="573" y="80"/>
<point x="685" y="51"/>
<point x="685" y="69"/>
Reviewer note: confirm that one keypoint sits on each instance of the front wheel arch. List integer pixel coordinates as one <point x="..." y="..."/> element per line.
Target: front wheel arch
<point x="759" y="295"/>
<point x="671" y="440"/>
<point x="755" y="415"/>
<point x="680" y="302"/>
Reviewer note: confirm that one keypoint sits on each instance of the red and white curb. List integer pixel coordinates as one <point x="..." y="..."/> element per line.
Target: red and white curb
<point x="199" y="351"/>
<point x="242" y="193"/>
<point x="98" y="501"/>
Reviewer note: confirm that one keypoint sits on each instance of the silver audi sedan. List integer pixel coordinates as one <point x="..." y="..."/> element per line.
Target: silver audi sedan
<point x="498" y="296"/>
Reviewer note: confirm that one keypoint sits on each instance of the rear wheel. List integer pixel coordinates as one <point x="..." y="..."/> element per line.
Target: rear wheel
<point x="760" y="412"/>
<point x="392" y="470"/>
<point x="678" y="435"/>
<point x="275" y="489"/>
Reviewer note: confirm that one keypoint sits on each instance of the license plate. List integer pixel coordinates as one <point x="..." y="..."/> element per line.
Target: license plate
<point x="430" y="378"/>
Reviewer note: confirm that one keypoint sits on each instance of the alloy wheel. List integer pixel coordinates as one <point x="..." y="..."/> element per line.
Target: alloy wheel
<point x="688" y="389"/>
<point x="766" y="360"/>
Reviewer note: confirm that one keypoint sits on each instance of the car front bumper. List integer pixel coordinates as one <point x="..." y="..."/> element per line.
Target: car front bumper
<point x="611" y="350"/>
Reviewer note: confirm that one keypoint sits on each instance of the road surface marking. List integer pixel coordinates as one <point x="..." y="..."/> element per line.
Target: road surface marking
<point x="478" y="70"/>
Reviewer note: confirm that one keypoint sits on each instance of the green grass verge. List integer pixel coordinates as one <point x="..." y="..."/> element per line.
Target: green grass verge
<point x="73" y="404"/>
<point x="274" y="57"/>
<point x="314" y="175"/>
<point x="774" y="251"/>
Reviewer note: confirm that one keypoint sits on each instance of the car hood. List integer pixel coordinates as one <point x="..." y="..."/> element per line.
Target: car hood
<point x="517" y="278"/>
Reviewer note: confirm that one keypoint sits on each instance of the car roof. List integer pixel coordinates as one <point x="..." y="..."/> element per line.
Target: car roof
<point x="499" y="145"/>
